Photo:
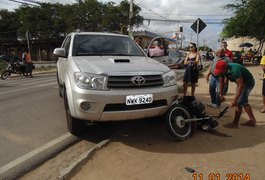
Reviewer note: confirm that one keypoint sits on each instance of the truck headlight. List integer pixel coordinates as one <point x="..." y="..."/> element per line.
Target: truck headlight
<point x="90" y="81"/>
<point x="170" y="78"/>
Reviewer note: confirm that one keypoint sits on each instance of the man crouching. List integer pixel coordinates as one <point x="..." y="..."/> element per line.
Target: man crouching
<point x="245" y="83"/>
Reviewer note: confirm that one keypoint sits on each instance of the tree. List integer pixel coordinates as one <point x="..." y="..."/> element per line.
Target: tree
<point x="49" y="23"/>
<point x="249" y="20"/>
<point x="9" y="23"/>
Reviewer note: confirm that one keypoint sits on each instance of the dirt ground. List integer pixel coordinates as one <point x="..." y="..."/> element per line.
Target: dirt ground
<point x="143" y="151"/>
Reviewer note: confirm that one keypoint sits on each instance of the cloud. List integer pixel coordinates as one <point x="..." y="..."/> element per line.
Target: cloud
<point x="207" y="10"/>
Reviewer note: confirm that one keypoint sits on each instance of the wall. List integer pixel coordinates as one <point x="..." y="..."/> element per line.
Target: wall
<point x="234" y="43"/>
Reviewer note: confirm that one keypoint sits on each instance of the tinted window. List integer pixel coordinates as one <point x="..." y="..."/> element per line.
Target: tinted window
<point x="100" y="45"/>
<point x="174" y="54"/>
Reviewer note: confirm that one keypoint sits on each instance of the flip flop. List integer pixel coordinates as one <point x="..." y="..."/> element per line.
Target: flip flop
<point x="249" y="123"/>
<point x="231" y="126"/>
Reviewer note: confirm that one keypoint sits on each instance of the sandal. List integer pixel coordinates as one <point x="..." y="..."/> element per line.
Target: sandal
<point x="231" y="126"/>
<point x="249" y="123"/>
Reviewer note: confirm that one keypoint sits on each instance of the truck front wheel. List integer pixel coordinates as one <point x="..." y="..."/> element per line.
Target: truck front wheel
<point x="75" y="126"/>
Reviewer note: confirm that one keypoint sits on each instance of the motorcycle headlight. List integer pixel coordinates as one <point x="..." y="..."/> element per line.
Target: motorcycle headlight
<point x="170" y="78"/>
<point x="90" y="81"/>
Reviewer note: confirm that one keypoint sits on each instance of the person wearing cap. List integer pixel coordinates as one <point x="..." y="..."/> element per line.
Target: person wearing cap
<point x="245" y="83"/>
<point x="262" y="63"/>
<point x="214" y="80"/>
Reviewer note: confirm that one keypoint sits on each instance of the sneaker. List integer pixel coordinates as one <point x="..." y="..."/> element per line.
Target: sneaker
<point x="213" y="105"/>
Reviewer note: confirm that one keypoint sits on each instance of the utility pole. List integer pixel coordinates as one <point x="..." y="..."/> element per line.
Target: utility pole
<point x="130" y="19"/>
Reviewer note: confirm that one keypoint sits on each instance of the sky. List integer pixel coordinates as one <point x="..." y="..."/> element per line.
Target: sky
<point x="181" y="10"/>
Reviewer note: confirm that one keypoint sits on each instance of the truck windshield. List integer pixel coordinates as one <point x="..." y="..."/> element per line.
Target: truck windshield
<point x="105" y="45"/>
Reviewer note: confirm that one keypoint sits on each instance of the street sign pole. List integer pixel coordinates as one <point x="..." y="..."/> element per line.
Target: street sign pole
<point x="198" y="25"/>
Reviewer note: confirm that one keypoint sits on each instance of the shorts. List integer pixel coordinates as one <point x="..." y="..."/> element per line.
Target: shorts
<point x="263" y="87"/>
<point x="243" y="98"/>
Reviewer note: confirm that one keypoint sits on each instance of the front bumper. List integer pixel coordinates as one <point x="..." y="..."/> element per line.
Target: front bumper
<point x="111" y="106"/>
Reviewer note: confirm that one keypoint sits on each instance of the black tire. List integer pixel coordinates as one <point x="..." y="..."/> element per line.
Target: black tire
<point x="75" y="126"/>
<point x="5" y="74"/>
<point x="60" y="87"/>
<point x="176" y="127"/>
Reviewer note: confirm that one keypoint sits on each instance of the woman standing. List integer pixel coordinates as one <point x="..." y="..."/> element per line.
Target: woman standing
<point x="191" y="72"/>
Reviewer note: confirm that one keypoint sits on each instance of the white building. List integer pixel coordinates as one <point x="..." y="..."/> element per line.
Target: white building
<point x="234" y="43"/>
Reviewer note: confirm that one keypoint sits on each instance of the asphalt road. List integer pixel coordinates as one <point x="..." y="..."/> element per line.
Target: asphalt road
<point x="32" y="114"/>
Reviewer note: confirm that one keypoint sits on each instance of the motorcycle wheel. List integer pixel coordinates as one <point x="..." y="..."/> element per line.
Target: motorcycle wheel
<point x="175" y="124"/>
<point x="5" y="74"/>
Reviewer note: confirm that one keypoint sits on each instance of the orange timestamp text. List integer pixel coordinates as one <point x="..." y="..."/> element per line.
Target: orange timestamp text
<point x="217" y="176"/>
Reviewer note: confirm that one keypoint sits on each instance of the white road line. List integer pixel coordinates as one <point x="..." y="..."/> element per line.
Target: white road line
<point x="22" y="89"/>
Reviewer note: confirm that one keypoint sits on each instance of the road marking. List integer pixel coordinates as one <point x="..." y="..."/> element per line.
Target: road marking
<point x="21" y="89"/>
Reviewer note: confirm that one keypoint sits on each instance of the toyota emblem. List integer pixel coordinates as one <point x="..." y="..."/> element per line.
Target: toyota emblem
<point x="138" y="80"/>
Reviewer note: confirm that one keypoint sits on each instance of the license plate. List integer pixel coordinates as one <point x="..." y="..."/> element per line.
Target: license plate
<point x="139" y="99"/>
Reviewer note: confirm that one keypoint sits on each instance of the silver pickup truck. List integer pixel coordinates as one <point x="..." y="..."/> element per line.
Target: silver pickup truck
<point x="108" y="77"/>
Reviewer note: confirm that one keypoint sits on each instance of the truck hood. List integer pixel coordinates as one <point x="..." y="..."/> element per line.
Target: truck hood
<point x="121" y="65"/>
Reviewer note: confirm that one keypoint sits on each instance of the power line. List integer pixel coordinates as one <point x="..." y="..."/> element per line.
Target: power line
<point x="157" y="14"/>
<point x="196" y="15"/>
<point x="181" y="20"/>
<point x="26" y="2"/>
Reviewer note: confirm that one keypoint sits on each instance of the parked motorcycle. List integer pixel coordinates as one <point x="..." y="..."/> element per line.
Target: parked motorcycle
<point x="13" y="67"/>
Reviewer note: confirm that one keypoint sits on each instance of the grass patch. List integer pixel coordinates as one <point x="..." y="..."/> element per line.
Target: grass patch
<point x="45" y="68"/>
<point x="3" y="66"/>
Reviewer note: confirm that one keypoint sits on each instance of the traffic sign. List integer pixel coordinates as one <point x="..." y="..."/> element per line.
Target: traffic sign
<point x="198" y="26"/>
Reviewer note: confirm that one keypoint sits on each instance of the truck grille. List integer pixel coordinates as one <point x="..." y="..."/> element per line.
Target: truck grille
<point x="124" y="107"/>
<point x="128" y="82"/>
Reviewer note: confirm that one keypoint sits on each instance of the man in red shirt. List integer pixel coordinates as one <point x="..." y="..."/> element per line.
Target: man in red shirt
<point x="228" y="54"/>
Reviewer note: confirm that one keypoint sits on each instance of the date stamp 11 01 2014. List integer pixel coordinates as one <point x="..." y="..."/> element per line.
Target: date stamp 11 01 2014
<point x="217" y="176"/>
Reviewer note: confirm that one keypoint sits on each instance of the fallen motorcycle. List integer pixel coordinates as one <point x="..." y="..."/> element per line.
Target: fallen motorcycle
<point x="188" y="114"/>
<point x="13" y="67"/>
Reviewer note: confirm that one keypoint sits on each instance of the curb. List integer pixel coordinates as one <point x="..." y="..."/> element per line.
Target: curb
<point x="69" y="171"/>
<point x="36" y="157"/>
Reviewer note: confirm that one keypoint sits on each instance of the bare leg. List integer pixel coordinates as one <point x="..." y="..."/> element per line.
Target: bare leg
<point x="193" y="86"/>
<point x="184" y="88"/>
<point x="249" y="111"/>
<point x="238" y="113"/>
<point x="234" y="124"/>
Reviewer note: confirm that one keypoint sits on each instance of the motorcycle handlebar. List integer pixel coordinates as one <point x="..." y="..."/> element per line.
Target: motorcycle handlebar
<point x="222" y="112"/>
